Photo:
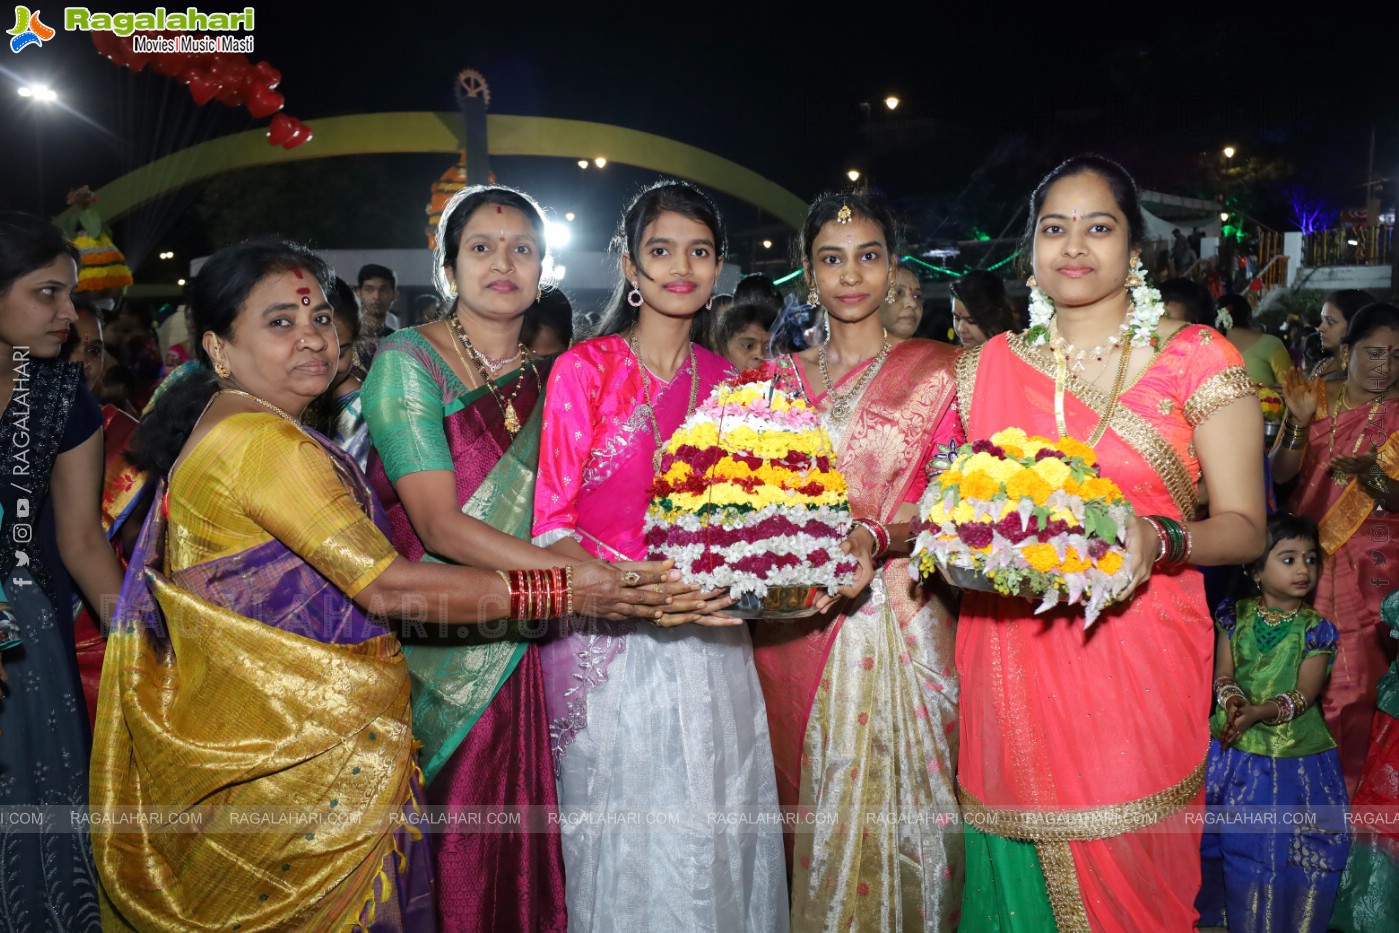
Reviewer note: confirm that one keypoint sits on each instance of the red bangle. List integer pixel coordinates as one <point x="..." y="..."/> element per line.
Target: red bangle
<point x="878" y="532"/>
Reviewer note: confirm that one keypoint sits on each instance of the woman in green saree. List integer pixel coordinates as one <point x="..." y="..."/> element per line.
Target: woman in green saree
<point x="454" y="411"/>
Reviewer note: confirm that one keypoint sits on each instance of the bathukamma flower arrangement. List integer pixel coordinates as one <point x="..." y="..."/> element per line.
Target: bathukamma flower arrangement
<point x="748" y="497"/>
<point x="1025" y="515"/>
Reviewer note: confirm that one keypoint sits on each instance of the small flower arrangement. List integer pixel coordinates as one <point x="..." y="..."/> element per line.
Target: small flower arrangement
<point x="1273" y="407"/>
<point x="1032" y="517"/>
<point x="748" y="497"/>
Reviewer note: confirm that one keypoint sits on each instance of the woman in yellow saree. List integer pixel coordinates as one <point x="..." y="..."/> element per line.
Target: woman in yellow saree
<point x="250" y="680"/>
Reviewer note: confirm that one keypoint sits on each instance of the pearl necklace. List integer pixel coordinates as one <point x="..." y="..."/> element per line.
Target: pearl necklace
<point x="1076" y="356"/>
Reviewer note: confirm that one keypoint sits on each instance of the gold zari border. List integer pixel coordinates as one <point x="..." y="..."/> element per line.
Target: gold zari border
<point x="1061" y="883"/>
<point x="965" y="371"/>
<point x="1083" y="823"/>
<point x="1133" y="429"/>
<point x="1217" y="391"/>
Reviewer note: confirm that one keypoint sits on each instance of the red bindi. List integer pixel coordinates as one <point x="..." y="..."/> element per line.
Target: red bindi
<point x="297" y="273"/>
<point x="499" y="209"/>
<point x="303" y="291"/>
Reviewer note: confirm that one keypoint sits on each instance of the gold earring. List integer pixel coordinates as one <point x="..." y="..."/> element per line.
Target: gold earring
<point x="1031" y="283"/>
<point x="891" y="294"/>
<point x="221" y="369"/>
<point x="539" y="294"/>
<point x="813" y="297"/>
<point x="1133" y="280"/>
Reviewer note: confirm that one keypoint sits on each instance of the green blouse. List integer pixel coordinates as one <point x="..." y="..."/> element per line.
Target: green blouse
<point x="407" y="393"/>
<point x="1266" y="661"/>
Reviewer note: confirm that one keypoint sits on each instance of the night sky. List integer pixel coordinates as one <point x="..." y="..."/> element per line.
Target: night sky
<point x="990" y="101"/>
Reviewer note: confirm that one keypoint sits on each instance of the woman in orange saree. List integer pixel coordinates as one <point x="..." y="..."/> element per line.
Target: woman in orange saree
<point x="1081" y="750"/>
<point x="862" y="703"/>
<point x="1341" y="443"/>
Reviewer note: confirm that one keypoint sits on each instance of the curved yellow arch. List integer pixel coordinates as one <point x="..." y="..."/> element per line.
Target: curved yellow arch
<point x="372" y="133"/>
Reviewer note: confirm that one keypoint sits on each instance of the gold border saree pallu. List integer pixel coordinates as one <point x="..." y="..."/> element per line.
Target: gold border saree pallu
<point x="221" y="715"/>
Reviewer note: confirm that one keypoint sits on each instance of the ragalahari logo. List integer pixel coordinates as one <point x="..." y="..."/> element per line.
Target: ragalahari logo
<point x="29" y="30"/>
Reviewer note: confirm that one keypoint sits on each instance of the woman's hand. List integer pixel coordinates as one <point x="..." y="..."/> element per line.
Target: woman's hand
<point x="1302" y="395"/>
<point x="1143" y="548"/>
<point x="604" y="590"/>
<point x="706" y="612"/>
<point x="859" y="544"/>
<point x="1246" y="717"/>
<point x="1352" y="464"/>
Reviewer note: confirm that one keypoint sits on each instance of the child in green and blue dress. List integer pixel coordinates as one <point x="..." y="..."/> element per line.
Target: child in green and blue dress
<point x="1272" y="763"/>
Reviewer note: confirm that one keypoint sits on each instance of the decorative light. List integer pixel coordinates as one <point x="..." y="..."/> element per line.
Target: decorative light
<point x="1352" y="242"/>
<point x="583" y="163"/>
<point x="767" y="244"/>
<point x="600" y="162"/>
<point x="167" y="255"/>
<point x="180" y="282"/>
<point x="569" y="216"/>
<point x="853" y="175"/>
<point x="1229" y="152"/>
<point x="891" y="102"/>
<point x="40" y="92"/>
<point x="558" y="234"/>
<point x="1224" y="215"/>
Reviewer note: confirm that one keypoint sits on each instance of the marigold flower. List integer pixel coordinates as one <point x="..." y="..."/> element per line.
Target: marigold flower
<point x="1041" y="557"/>
<point x="1075" y="448"/>
<point x="1110" y="563"/>
<point x="1028" y="484"/>
<point x="980" y="486"/>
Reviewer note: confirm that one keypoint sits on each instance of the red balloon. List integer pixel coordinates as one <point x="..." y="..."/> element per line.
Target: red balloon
<point x="203" y="88"/>
<point x="169" y="64"/>
<point x="267" y="75"/>
<point x="300" y="135"/>
<point x="281" y="129"/>
<point x="263" y="102"/>
<point x="229" y="95"/>
<point x="107" y="44"/>
<point x="137" y="61"/>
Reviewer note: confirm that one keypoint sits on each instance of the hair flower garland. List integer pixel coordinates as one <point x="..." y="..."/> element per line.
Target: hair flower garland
<point x="1145" y="312"/>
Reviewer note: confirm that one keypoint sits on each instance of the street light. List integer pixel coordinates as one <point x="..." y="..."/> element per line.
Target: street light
<point x="40" y="92"/>
<point x="583" y="163"/>
<point x="891" y="102"/>
<point x="853" y="175"/>
<point x="1224" y="216"/>
<point x="43" y="94"/>
<point x="569" y="216"/>
<point x="600" y="162"/>
<point x="767" y="244"/>
<point x="1229" y="152"/>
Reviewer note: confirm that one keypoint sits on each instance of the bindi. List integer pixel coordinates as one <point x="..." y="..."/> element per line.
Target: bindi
<point x="1074" y="215"/>
<point x="305" y="293"/>
<point x="297" y="273"/>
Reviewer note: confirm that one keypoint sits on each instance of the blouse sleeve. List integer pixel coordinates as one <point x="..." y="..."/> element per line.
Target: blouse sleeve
<point x="1321" y="638"/>
<point x="939" y="451"/>
<point x="289" y="485"/>
<point x="1280" y="362"/>
<point x="84" y="418"/>
<point x="1213" y="374"/>
<point x="1225" y="618"/>
<point x="565" y="442"/>
<point x="402" y="404"/>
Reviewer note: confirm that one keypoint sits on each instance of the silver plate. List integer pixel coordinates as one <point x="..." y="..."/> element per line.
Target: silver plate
<point x="780" y="603"/>
<point x="965" y="579"/>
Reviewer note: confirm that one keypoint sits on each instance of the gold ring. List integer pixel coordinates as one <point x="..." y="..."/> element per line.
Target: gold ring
<point x="631" y="578"/>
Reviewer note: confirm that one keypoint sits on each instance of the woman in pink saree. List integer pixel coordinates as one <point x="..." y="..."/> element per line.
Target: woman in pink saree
<point x="1341" y="442"/>
<point x="862" y="702"/>
<point x="651" y="723"/>
<point x="1082" y="749"/>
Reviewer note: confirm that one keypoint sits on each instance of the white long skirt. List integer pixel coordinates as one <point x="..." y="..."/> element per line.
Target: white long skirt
<point x="669" y="803"/>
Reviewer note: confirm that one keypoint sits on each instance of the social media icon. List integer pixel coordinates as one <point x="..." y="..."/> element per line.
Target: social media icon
<point x="22" y="559"/>
<point x="21" y="508"/>
<point x="21" y="533"/>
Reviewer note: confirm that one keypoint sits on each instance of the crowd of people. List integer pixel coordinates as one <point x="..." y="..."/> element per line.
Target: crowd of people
<point x="367" y="573"/>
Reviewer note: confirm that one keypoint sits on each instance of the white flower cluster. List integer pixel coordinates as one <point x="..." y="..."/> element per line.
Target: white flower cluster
<point x="1147" y="309"/>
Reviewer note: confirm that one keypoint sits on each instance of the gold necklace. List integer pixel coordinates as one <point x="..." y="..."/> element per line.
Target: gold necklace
<point x="483" y="372"/>
<point x="1272" y="617"/>
<point x="1339" y="477"/>
<point x="1061" y="371"/>
<point x="841" y="405"/>
<point x="647" y="409"/>
<point x="264" y="403"/>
